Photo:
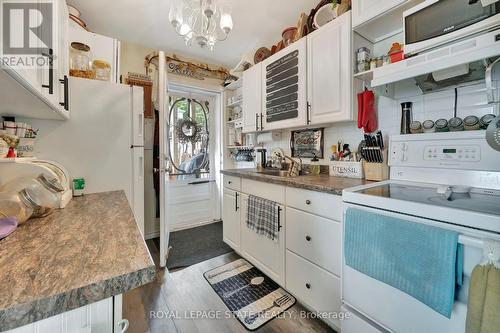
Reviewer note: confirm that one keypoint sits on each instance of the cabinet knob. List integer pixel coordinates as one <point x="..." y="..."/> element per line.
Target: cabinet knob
<point x="308" y="285"/>
<point x="229" y="182"/>
<point x="308" y="202"/>
<point x="308" y="238"/>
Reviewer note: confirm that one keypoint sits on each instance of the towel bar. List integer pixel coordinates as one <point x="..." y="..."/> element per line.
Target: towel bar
<point x="466" y="240"/>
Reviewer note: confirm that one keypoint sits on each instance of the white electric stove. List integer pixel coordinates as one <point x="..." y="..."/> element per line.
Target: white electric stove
<point x="448" y="180"/>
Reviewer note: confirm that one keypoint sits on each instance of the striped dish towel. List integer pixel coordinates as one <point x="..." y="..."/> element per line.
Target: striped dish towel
<point x="262" y="217"/>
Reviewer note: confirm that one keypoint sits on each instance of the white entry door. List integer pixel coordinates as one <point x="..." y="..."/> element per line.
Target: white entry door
<point x="163" y="101"/>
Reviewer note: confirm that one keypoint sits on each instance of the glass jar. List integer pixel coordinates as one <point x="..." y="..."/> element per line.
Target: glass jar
<point x="46" y="190"/>
<point x="416" y="127"/>
<point x="456" y="124"/>
<point x="441" y="125"/>
<point x="102" y="70"/>
<point x="471" y="123"/>
<point x="79" y="60"/>
<point x="21" y="206"/>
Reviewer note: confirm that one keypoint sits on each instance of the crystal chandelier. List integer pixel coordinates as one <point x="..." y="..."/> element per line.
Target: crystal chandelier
<point x="202" y="21"/>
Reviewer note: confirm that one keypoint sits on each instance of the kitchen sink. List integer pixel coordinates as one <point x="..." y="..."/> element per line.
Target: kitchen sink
<point x="274" y="172"/>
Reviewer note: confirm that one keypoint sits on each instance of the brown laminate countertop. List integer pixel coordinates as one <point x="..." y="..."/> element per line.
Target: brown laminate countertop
<point x="319" y="183"/>
<point x="89" y="251"/>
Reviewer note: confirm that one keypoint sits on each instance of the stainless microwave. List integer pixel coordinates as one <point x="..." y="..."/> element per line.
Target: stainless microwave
<point x="437" y="22"/>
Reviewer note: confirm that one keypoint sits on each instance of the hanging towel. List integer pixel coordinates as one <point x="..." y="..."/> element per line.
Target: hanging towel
<point x="367" y="116"/>
<point x="415" y="258"/>
<point x="262" y="217"/>
<point x="483" y="310"/>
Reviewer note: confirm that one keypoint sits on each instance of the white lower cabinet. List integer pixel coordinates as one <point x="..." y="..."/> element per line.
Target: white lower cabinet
<point x="231" y="217"/>
<point x="313" y="285"/>
<point x="266" y="254"/>
<point x="306" y="258"/>
<point x="98" y="317"/>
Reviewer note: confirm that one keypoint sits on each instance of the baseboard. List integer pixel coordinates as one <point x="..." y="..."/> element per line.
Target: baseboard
<point x="156" y="234"/>
<point x="152" y="235"/>
<point x="192" y="225"/>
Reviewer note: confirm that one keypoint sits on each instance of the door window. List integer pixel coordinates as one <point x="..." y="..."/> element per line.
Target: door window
<point x="188" y="136"/>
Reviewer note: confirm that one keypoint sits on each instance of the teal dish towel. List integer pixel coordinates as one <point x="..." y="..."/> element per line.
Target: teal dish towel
<point x="423" y="261"/>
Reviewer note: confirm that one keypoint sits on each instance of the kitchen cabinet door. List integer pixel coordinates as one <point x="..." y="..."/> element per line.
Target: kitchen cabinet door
<point x="50" y="74"/>
<point x="329" y="68"/>
<point x="252" y="98"/>
<point x="96" y="318"/>
<point x="231" y="218"/>
<point x="284" y="88"/>
<point x="63" y="57"/>
<point x="266" y="254"/>
<point x="365" y="10"/>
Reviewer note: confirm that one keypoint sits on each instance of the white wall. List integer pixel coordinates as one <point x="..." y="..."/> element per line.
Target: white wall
<point x="472" y="100"/>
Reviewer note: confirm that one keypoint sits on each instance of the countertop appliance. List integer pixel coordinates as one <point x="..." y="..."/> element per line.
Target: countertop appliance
<point x="102" y="141"/>
<point x="437" y="22"/>
<point x="33" y="168"/>
<point x="447" y="180"/>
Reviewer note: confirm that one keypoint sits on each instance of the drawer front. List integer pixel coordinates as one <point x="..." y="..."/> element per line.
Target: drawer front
<point x="234" y="183"/>
<point x="355" y="324"/>
<point x="312" y="285"/>
<point x="315" y="238"/>
<point x="271" y="192"/>
<point x="323" y="204"/>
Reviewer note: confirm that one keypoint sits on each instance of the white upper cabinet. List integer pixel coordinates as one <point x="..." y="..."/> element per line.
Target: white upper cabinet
<point x="365" y="10"/>
<point x="284" y="88"/>
<point x="252" y="98"/>
<point x="39" y="92"/>
<point x="329" y="68"/>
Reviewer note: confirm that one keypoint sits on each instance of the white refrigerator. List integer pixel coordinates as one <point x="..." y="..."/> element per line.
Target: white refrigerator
<point x="103" y="141"/>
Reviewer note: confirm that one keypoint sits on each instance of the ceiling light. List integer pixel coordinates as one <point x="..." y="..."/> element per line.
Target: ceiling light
<point x="200" y="20"/>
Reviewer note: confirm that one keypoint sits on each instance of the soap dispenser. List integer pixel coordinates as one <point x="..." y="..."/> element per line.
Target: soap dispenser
<point x="315" y="167"/>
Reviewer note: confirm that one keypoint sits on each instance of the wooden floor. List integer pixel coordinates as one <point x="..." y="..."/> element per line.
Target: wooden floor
<point x="175" y="295"/>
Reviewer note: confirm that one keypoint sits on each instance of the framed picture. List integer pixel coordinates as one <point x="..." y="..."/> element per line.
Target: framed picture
<point x="307" y="143"/>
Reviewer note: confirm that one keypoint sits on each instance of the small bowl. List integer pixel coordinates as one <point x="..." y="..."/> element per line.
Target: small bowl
<point x="324" y="15"/>
<point x="74" y="11"/>
<point x="289" y="36"/>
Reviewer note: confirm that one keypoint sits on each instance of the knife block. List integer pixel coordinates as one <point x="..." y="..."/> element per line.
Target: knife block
<point x="377" y="171"/>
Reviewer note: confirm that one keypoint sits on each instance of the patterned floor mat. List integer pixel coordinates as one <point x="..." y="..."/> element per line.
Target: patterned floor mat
<point x="253" y="297"/>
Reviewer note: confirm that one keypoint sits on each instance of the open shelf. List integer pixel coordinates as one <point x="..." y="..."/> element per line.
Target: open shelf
<point x="235" y="85"/>
<point x="233" y="104"/>
<point x="365" y="76"/>
<point x="240" y="147"/>
<point x="234" y="121"/>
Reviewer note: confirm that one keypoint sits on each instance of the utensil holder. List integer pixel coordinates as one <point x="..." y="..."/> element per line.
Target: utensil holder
<point x="346" y="169"/>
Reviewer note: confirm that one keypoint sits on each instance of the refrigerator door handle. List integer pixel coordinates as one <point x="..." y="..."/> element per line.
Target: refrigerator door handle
<point x="141" y="167"/>
<point x="141" y="125"/>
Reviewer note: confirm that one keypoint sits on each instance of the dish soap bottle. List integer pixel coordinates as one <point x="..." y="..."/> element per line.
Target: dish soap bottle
<point x="314" y="167"/>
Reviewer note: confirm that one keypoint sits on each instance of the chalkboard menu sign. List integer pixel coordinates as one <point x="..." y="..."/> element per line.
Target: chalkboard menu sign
<point x="282" y="86"/>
